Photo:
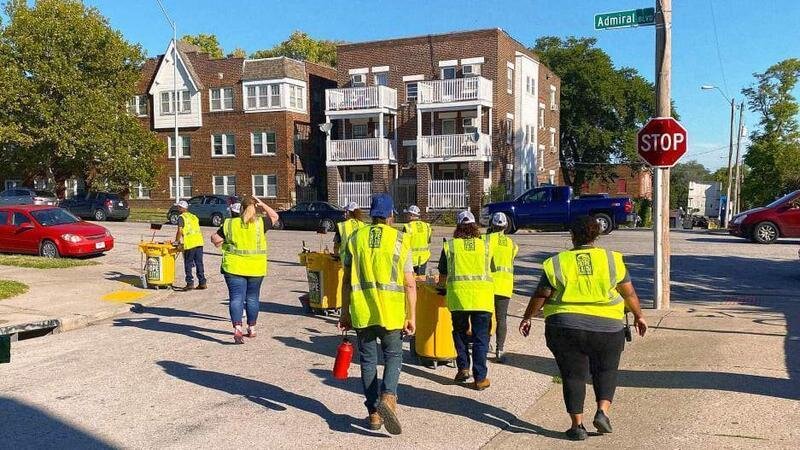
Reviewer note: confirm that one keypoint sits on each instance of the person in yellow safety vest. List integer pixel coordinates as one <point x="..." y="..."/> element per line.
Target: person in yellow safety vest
<point x="243" y="239"/>
<point x="420" y="234"/>
<point x="504" y="251"/>
<point x="354" y="219"/>
<point x="464" y="269"/>
<point x="585" y="292"/>
<point x="192" y="237"/>
<point x="379" y="296"/>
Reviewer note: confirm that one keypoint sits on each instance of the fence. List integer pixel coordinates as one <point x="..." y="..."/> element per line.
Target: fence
<point x="354" y="191"/>
<point x="370" y="149"/>
<point x="448" y="194"/>
<point x="455" y="90"/>
<point x="360" y="98"/>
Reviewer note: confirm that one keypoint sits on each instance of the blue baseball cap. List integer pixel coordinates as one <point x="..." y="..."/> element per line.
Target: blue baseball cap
<point x="382" y="206"/>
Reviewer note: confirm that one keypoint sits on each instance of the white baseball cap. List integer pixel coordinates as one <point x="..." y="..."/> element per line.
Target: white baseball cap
<point x="236" y="208"/>
<point x="183" y="204"/>
<point x="413" y="209"/>
<point x="465" y="217"/>
<point x="350" y="207"/>
<point x="499" y="219"/>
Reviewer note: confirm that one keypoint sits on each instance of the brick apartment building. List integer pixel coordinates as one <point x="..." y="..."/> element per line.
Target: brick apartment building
<point x="626" y="180"/>
<point x="245" y="126"/>
<point x="437" y="120"/>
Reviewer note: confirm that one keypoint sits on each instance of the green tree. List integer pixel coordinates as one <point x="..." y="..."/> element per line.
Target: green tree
<point x="65" y="79"/>
<point x="301" y="46"/>
<point x="774" y="153"/>
<point x="237" y="53"/>
<point x="680" y="176"/>
<point x="207" y="43"/>
<point x="602" y="107"/>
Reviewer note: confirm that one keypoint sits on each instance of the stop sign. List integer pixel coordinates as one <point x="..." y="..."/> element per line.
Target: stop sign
<point x="661" y="142"/>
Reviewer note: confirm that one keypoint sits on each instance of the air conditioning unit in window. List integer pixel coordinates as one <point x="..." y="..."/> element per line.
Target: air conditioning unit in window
<point x="358" y="80"/>
<point x="471" y="70"/>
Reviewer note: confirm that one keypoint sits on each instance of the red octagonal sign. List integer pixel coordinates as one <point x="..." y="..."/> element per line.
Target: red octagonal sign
<point x="661" y="142"/>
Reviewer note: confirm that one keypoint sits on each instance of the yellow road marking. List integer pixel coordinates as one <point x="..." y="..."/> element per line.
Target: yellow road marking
<point x="124" y="296"/>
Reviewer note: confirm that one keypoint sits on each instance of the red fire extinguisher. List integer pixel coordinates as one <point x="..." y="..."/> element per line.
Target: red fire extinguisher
<point x="344" y="355"/>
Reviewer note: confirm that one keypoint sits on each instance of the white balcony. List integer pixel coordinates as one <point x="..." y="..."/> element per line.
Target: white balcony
<point x="453" y="148"/>
<point x="354" y="191"/>
<point x="361" y="151"/>
<point x="366" y="100"/>
<point x="455" y="92"/>
<point x="448" y="194"/>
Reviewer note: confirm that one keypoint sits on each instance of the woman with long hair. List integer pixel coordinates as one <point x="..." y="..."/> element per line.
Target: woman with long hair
<point x="244" y="261"/>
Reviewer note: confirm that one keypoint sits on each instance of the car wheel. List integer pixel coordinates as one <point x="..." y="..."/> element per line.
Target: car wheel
<point x="278" y="225"/>
<point x="327" y="225"/>
<point x="512" y="227"/>
<point x="216" y="220"/>
<point x="100" y="215"/>
<point x="765" y="233"/>
<point x="606" y="225"/>
<point x="173" y="218"/>
<point x="48" y="249"/>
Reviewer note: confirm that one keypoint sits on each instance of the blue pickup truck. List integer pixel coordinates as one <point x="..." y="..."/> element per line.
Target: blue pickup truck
<point x="554" y="207"/>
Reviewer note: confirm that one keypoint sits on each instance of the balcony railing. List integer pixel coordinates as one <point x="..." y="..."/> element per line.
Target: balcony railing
<point x="353" y="150"/>
<point x="354" y="191"/>
<point x="468" y="89"/>
<point x="448" y="146"/>
<point x="371" y="97"/>
<point x="448" y="194"/>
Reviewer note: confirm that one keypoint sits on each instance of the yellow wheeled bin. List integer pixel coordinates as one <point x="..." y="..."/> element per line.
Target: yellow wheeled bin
<point x="159" y="263"/>
<point x="433" y="340"/>
<point x="324" y="282"/>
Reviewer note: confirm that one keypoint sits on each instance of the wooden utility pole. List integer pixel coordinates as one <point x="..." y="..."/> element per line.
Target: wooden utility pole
<point x="661" y="192"/>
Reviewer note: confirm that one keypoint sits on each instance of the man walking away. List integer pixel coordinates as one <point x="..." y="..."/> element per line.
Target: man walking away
<point x="504" y="251"/>
<point x="189" y="233"/>
<point x="379" y="302"/>
<point x="419" y="233"/>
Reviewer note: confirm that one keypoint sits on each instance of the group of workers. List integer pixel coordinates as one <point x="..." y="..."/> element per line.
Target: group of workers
<point x="583" y="295"/>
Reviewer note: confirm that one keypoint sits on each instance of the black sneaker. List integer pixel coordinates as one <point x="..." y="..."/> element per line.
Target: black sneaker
<point x="602" y="422"/>
<point x="577" y="434"/>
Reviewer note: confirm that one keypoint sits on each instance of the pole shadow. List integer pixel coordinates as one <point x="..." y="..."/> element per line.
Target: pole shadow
<point x="155" y="324"/>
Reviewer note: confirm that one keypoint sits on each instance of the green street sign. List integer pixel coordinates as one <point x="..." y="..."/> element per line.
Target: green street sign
<point x="625" y="19"/>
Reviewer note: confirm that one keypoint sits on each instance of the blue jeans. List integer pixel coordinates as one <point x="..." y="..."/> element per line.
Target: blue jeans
<point x="392" y="346"/>
<point x="481" y="324"/>
<point x="244" y="293"/>
<point x="194" y="258"/>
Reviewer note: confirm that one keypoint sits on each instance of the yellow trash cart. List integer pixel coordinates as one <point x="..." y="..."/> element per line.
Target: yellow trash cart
<point x="158" y="265"/>
<point x="324" y="282"/>
<point x="433" y="341"/>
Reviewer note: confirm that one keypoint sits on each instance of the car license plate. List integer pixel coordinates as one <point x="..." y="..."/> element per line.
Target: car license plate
<point x="100" y="245"/>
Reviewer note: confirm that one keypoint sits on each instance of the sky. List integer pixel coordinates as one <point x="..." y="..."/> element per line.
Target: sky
<point x="718" y="42"/>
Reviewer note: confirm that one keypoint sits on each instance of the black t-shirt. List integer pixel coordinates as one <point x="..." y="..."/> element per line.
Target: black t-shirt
<point x="267" y="226"/>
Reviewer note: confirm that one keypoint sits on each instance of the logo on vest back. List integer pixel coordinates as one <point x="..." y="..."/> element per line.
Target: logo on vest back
<point x="503" y="240"/>
<point x="375" y="234"/>
<point x="584" y="261"/>
<point x="469" y="245"/>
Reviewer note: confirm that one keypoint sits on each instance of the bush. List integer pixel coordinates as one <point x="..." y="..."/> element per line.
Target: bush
<point x="497" y="193"/>
<point x="644" y="208"/>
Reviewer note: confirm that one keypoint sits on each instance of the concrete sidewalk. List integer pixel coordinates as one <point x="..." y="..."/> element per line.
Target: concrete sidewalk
<point x="67" y="299"/>
<point x="723" y="375"/>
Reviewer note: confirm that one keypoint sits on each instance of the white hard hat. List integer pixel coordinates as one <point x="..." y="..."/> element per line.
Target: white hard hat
<point x="465" y="217"/>
<point x="236" y="208"/>
<point x="350" y="207"/>
<point x="499" y="219"/>
<point x="183" y="204"/>
<point x="413" y="209"/>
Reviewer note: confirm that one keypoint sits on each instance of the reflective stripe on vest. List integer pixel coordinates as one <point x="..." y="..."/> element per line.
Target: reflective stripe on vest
<point x="504" y="251"/>
<point x="582" y="284"/>
<point x="419" y="233"/>
<point x="469" y="280"/>
<point x="192" y="235"/>
<point x="244" y="251"/>
<point x="378" y="255"/>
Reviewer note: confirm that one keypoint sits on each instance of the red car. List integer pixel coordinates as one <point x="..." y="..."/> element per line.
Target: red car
<point x="50" y="231"/>
<point x="765" y="225"/>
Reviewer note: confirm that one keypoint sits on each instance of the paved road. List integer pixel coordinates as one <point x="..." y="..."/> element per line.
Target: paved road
<point x="168" y="375"/>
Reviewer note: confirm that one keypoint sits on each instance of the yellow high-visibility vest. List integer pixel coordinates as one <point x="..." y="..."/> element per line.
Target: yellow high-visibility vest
<point x="346" y="229"/>
<point x="192" y="235"/>
<point x="378" y="254"/>
<point x="419" y="233"/>
<point x="585" y="282"/>
<point x="244" y="252"/>
<point x="469" y="278"/>
<point x="504" y="251"/>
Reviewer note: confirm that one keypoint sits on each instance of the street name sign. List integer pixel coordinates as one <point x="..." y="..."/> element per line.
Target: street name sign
<point x="624" y="19"/>
<point x="661" y="142"/>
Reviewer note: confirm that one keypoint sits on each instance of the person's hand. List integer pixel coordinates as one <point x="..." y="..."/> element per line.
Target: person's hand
<point x="641" y="325"/>
<point x="345" y="323"/>
<point x="410" y="327"/>
<point x="525" y="327"/>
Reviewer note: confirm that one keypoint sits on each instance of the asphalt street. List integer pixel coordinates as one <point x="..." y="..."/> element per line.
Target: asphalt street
<point x="169" y="376"/>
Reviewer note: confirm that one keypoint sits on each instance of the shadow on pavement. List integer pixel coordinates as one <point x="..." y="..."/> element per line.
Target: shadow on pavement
<point x="155" y="324"/>
<point x="133" y="280"/>
<point x="138" y="308"/>
<point x="25" y="426"/>
<point x="267" y="395"/>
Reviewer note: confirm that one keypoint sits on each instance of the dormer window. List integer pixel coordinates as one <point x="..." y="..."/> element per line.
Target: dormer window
<point x="168" y="102"/>
<point x="221" y="99"/>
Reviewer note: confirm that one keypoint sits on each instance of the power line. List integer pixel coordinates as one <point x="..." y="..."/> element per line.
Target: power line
<point x="716" y="40"/>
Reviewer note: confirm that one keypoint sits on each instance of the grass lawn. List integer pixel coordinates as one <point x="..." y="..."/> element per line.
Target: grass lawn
<point x="10" y="289"/>
<point x="156" y="215"/>
<point x="38" y="262"/>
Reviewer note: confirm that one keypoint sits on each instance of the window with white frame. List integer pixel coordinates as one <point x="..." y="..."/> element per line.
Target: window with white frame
<point x="412" y="90"/>
<point x="263" y="143"/>
<point x="528" y="134"/>
<point x="263" y="96"/>
<point x="221" y="99"/>
<point x="137" y="106"/>
<point x="265" y="186"/>
<point x="448" y="126"/>
<point x="510" y="80"/>
<point x="552" y="138"/>
<point x="471" y="70"/>
<point x="541" y="116"/>
<point x="168" y="102"/>
<point x="224" y="185"/>
<point x="552" y="97"/>
<point x="186" y="187"/>
<point x="509" y="131"/>
<point x="358" y="80"/>
<point x="223" y="145"/>
<point x="381" y="79"/>
<point x="359" y="130"/>
<point x="138" y="191"/>
<point x="296" y="97"/>
<point x="448" y="73"/>
<point x="540" y="159"/>
<point x="185" y="143"/>
<point x="528" y="85"/>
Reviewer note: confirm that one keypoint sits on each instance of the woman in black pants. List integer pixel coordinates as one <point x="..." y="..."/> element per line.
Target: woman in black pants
<point x="584" y="292"/>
